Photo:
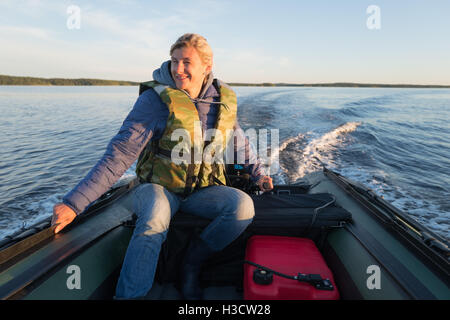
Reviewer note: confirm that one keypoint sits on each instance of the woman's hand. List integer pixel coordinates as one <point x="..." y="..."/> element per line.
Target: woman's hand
<point x="265" y="183"/>
<point x="62" y="216"/>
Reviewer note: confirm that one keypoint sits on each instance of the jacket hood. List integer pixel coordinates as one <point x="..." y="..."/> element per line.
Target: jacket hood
<point x="163" y="76"/>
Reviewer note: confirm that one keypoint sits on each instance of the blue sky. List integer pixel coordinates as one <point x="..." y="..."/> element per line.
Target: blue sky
<point x="253" y="41"/>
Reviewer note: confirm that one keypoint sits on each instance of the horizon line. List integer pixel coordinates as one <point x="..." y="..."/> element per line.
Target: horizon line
<point x="231" y="83"/>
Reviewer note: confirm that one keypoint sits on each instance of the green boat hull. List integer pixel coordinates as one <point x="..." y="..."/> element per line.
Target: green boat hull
<point x="374" y="257"/>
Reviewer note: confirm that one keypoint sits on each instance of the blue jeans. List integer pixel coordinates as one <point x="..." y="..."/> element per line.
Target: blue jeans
<point x="230" y="210"/>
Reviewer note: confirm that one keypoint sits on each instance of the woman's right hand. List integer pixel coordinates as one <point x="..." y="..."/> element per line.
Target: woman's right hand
<point x="62" y="216"/>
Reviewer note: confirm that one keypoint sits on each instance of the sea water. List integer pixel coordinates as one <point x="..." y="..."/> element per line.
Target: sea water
<point x="395" y="141"/>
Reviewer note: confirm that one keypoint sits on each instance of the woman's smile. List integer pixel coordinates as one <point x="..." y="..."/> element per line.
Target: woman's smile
<point x="188" y="71"/>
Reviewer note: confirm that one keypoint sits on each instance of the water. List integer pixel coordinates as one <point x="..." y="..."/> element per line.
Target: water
<point x="396" y="141"/>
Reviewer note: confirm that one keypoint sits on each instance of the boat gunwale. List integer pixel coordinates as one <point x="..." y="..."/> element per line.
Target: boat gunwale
<point x="12" y="288"/>
<point x="415" y="244"/>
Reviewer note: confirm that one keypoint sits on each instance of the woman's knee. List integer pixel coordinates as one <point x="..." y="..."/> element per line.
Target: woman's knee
<point x="243" y="205"/>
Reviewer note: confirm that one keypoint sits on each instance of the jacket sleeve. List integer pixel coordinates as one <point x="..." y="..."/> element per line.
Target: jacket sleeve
<point x="246" y="155"/>
<point x="147" y="119"/>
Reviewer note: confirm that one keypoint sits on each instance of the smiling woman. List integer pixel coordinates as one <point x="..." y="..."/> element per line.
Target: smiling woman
<point x="191" y="63"/>
<point x="182" y="94"/>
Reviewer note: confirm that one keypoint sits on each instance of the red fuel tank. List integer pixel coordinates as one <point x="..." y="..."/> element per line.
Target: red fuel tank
<point x="288" y="256"/>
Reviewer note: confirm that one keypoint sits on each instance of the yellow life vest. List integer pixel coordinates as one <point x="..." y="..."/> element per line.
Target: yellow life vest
<point x="181" y="160"/>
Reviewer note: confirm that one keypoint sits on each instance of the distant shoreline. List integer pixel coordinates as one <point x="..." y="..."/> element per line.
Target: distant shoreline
<point x="6" y="80"/>
<point x="338" y="84"/>
<point x="32" y="81"/>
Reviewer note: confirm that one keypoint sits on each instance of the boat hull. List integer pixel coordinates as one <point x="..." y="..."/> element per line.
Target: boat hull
<point x="367" y="256"/>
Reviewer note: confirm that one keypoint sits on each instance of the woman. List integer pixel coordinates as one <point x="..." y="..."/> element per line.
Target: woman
<point x="183" y="96"/>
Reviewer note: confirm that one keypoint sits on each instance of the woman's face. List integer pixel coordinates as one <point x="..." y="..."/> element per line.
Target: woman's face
<point x="188" y="70"/>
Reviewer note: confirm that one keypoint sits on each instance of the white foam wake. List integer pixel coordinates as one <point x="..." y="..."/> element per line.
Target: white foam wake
<point x="319" y="150"/>
<point x="288" y="141"/>
<point x="273" y="167"/>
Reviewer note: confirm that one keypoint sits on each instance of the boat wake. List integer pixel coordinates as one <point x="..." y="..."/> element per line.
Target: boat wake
<point x="305" y="153"/>
<point x="298" y="156"/>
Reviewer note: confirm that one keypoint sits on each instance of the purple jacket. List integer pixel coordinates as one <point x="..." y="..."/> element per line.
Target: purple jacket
<point x="146" y="121"/>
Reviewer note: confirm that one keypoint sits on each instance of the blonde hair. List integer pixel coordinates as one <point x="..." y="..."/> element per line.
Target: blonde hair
<point x="196" y="41"/>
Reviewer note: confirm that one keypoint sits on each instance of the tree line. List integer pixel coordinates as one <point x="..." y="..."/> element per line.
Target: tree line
<point x="31" y="81"/>
<point x="28" y="81"/>
<point x="336" y="84"/>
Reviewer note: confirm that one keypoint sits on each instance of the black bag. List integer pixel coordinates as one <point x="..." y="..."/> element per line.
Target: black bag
<point x="300" y="213"/>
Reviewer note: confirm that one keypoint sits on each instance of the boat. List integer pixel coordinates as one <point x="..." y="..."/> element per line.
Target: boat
<point x="374" y="250"/>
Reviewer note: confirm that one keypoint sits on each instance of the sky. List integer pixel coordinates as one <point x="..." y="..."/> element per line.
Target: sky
<point x="290" y="41"/>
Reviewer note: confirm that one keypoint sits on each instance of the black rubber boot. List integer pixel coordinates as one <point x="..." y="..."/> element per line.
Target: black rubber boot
<point x="196" y="254"/>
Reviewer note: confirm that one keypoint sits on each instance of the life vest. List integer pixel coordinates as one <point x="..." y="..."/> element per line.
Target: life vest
<point x="181" y="160"/>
